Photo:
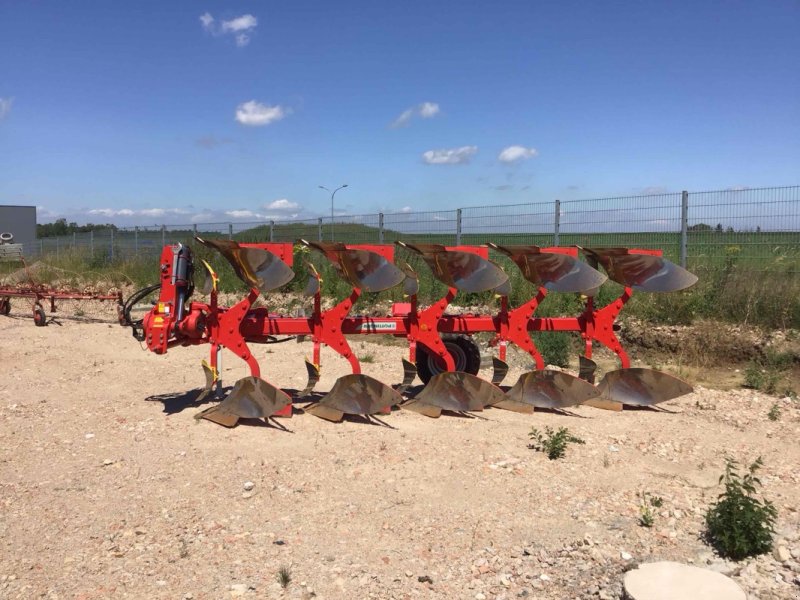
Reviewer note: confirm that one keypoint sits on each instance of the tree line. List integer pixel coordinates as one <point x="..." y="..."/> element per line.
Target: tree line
<point x="60" y="227"/>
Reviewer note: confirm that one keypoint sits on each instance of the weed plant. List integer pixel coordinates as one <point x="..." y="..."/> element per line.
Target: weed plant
<point x="553" y="443"/>
<point x="739" y="524"/>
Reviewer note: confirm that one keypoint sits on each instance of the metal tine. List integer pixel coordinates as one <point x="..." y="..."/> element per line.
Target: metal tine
<point x="454" y="391"/>
<point x="499" y="370"/>
<point x="411" y="282"/>
<point x="464" y="271"/>
<point x="586" y="368"/>
<point x="211" y="380"/>
<point x="250" y="398"/>
<point x="554" y="271"/>
<point x="313" y="378"/>
<point x="355" y="394"/>
<point x="361" y="268"/>
<point x="256" y="267"/>
<point x="409" y="374"/>
<point x="642" y="271"/>
<point x="210" y="280"/>
<point x="312" y="286"/>
<point x="548" y="389"/>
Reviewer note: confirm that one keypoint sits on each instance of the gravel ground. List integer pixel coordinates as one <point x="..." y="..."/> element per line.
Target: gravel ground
<point x="110" y="489"/>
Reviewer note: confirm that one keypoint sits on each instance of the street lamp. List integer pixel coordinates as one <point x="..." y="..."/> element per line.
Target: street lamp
<point x="333" y="193"/>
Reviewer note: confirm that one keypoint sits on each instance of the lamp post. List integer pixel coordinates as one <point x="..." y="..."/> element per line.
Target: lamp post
<point x="333" y="193"/>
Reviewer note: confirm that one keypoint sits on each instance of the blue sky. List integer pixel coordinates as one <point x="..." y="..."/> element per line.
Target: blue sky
<point x="150" y="112"/>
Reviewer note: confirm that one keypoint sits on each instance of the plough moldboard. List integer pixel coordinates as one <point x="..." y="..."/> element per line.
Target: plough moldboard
<point x="441" y="350"/>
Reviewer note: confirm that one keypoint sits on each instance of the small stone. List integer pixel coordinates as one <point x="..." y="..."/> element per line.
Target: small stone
<point x="279" y="542"/>
<point x="89" y="436"/>
<point x="781" y="553"/>
<point x="409" y="574"/>
<point x="248" y="485"/>
<point x="625" y="555"/>
<point x="544" y="577"/>
<point x="108" y="462"/>
<point x="424" y="579"/>
<point x="480" y="596"/>
<point x="246" y="495"/>
<point x="613" y="448"/>
<point x="238" y="589"/>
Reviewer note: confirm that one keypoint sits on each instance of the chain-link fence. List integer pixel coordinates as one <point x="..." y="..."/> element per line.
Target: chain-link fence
<point x="757" y="228"/>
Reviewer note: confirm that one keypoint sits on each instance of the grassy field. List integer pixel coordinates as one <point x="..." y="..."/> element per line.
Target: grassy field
<point x="745" y="277"/>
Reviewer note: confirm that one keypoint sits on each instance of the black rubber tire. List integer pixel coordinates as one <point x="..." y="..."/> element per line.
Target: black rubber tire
<point x="5" y="306"/>
<point x="465" y="352"/>
<point x="39" y="317"/>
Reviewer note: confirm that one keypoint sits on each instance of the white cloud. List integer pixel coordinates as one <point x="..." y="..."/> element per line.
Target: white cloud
<point x="405" y="209"/>
<point x="240" y="28"/>
<point x="5" y="107"/>
<point x="426" y="110"/>
<point x="451" y="156"/>
<point x="255" y="114"/>
<point x="207" y="21"/>
<point x="243" y="214"/>
<point x="145" y="212"/>
<point x="404" y="118"/>
<point x="514" y="154"/>
<point x="283" y="205"/>
<point x="243" y="23"/>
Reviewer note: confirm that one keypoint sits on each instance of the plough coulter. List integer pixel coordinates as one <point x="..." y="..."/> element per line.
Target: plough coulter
<point x="442" y="351"/>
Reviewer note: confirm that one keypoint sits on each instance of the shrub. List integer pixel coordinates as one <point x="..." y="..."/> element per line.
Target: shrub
<point x="553" y="443"/>
<point x="554" y="347"/>
<point x="739" y="524"/>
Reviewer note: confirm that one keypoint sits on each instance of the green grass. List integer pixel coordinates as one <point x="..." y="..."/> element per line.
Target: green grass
<point x="750" y="277"/>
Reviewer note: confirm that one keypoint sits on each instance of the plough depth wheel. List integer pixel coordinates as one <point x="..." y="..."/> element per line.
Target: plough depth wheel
<point x="462" y="348"/>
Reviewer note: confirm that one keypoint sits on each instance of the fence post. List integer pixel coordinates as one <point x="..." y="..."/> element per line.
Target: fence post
<point x="684" y="227"/>
<point x="194" y="229"/>
<point x="458" y="227"/>
<point x="163" y="235"/>
<point x="41" y="247"/>
<point x="319" y="229"/>
<point x="380" y="228"/>
<point x="112" y="244"/>
<point x="230" y="231"/>
<point x="272" y="231"/>
<point x="557" y="224"/>
<point x="91" y="242"/>
<point x="74" y="235"/>
<point x="136" y="241"/>
<point x="57" y="249"/>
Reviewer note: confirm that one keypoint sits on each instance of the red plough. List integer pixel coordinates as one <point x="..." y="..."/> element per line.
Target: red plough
<point x="442" y="351"/>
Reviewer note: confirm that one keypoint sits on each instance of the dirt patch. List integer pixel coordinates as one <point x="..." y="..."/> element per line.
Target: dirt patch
<point x="106" y="494"/>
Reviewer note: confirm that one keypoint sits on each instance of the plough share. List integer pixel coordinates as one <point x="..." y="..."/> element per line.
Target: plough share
<point x="441" y="350"/>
